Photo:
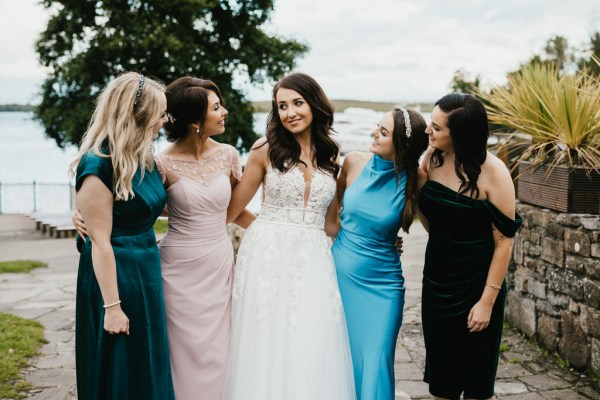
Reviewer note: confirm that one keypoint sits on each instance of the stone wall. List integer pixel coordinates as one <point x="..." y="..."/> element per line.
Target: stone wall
<point x="554" y="283"/>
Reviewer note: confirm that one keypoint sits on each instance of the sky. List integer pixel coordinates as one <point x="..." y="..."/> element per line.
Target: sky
<point x="378" y="50"/>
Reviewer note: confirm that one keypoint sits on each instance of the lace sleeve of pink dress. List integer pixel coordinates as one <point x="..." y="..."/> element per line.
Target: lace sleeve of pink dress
<point x="236" y="165"/>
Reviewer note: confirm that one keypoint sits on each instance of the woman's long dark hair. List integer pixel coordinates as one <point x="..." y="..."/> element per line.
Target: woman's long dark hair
<point x="408" y="150"/>
<point x="187" y="102"/>
<point x="284" y="150"/>
<point x="468" y="124"/>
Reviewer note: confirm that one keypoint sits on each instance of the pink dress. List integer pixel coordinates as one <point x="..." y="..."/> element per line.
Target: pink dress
<point x="197" y="269"/>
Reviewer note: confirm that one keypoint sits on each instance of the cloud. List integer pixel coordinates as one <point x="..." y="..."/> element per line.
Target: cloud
<point x="396" y="50"/>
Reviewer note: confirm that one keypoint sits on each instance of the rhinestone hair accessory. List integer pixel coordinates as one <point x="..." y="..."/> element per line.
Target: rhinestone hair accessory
<point x="406" y="122"/>
<point x="139" y="92"/>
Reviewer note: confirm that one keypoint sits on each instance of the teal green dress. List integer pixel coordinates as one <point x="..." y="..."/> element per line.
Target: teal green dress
<point x="370" y="275"/>
<point x="134" y="366"/>
<point x="457" y="260"/>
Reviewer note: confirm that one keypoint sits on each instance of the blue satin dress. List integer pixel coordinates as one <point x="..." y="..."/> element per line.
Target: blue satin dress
<point x="370" y="275"/>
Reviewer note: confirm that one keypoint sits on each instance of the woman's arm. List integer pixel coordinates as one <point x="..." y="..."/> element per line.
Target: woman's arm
<point x="96" y="206"/>
<point x="501" y="193"/>
<point x="423" y="173"/>
<point x="252" y="177"/>
<point x="332" y="218"/>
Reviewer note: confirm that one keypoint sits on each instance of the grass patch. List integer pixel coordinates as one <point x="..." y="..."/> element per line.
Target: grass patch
<point x="20" y="266"/>
<point x="160" y="226"/>
<point x="506" y="326"/>
<point x="19" y="341"/>
<point x="504" y="347"/>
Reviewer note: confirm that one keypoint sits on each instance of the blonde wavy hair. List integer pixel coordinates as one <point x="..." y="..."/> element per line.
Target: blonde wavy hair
<point x="127" y="130"/>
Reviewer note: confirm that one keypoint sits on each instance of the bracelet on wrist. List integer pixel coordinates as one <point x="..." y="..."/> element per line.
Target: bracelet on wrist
<point x="112" y="304"/>
<point x="493" y="286"/>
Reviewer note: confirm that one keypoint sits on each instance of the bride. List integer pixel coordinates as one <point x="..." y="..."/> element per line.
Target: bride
<point x="289" y="338"/>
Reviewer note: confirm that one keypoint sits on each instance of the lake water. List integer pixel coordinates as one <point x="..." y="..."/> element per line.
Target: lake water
<point x="27" y="155"/>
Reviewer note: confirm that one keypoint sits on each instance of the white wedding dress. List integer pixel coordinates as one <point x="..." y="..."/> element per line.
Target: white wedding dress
<point x="289" y="339"/>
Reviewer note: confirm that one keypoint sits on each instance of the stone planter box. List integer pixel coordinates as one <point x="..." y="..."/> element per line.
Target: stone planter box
<point x="564" y="189"/>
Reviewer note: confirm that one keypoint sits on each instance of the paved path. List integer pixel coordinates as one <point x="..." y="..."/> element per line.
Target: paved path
<point x="47" y="294"/>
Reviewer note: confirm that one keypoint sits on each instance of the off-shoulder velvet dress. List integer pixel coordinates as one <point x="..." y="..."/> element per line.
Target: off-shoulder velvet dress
<point x="457" y="260"/>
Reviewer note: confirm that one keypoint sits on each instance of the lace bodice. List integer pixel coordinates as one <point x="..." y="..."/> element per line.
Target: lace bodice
<point x="283" y="197"/>
<point x="226" y="161"/>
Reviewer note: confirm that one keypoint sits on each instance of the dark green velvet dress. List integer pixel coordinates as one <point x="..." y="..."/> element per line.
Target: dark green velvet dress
<point x="457" y="260"/>
<point x="134" y="366"/>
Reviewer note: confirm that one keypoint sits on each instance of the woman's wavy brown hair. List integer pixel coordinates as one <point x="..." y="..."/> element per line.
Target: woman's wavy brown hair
<point x="284" y="150"/>
<point x="468" y="124"/>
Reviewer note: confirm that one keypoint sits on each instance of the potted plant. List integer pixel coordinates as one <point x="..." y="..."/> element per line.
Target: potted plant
<point x="555" y="141"/>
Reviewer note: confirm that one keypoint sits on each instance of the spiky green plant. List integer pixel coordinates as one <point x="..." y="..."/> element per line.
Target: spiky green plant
<point x="558" y="113"/>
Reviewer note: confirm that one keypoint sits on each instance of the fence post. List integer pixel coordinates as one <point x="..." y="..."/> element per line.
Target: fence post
<point x="34" y="198"/>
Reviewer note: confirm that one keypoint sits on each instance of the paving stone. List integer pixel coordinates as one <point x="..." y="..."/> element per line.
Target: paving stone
<point x="565" y="394"/>
<point x="545" y="382"/>
<point x="522" y="396"/>
<point x="401" y="355"/>
<point x="408" y="372"/>
<point x="52" y="377"/>
<point x="508" y="370"/>
<point x="412" y="390"/>
<point x="56" y="362"/>
<point x="509" y="387"/>
<point x="55" y="393"/>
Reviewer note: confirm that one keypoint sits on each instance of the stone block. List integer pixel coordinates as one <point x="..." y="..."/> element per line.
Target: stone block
<point x="596" y="355"/>
<point x="592" y="268"/>
<point x="591" y="223"/>
<point x="553" y="251"/>
<point x="595" y="250"/>
<point x="517" y="252"/>
<point x="521" y="313"/>
<point x="556" y="231"/>
<point x="532" y="249"/>
<point x="558" y="300"/>
<point x="592" y="293"/>
<point x="548" y="331"/>
<point x="536" y="288"/>
<point x="534" y="264"/>
<point x="542" y="217"/>
<point x="590" y="321"/>
<point x="521" y="277"/>
<point x="577" y="242"/>
<point x="535" y="237"/>
<point x="569" y="220"/>
<point x="575" y="263"/>
<point x="573" y="345"/>
<point x="565" y="282"/>
<point x="544" y="307"/>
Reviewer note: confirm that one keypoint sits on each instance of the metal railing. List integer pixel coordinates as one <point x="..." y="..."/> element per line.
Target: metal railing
<point x="36" y="197"/>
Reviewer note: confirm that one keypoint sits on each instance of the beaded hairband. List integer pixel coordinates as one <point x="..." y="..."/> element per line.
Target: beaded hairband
<point x="139" y="92"/>
<point x="406" y="121"/>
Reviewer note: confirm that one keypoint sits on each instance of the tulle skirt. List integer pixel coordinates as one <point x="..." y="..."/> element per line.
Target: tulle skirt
<point x="289" y="338"/>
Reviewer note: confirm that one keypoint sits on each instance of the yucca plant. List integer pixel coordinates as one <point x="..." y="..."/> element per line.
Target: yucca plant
<point x="555" y="118"/>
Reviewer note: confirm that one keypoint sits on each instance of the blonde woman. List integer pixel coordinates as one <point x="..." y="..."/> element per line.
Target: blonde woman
<point x="121" y="340"/>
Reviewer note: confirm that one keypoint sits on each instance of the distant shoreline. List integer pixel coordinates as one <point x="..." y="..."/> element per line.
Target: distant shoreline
<point x="341" y="105"/>
<point x="17" y="107"/>
<point x="265" y="106"/>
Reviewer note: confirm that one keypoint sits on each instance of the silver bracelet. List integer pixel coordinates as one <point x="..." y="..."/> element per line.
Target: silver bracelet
<point x="112" y="304"/>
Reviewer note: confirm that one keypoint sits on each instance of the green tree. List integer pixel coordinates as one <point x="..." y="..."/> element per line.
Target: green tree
<point x="593" y="49"/>
<point x="86" y="43"/>
<point x="462" y="83"/>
